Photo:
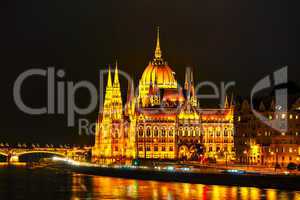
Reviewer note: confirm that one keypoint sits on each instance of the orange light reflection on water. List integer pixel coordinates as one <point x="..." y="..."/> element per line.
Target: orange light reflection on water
<point x="96" y="187"/>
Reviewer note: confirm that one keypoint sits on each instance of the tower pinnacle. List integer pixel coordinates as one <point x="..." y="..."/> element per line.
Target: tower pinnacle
<point x="116" y="78"/>
<point x="109" y="83"/>
<point x="157" y="49"/>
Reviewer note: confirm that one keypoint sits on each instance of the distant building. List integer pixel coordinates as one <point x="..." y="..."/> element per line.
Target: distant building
<point x="164" y="121"/>
<point x="257" y="143"/>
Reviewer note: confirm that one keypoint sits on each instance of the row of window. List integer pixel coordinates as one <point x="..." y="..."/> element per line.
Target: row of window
<point x="218" y="149"/>
<point x="256" y="158"/>
<point x="282" y="150"/>
<point x="170" y="133"/>
<point x="155" y="148"/>
<point x="156" y="132"/>
<point x="156" y="155"/>
<point x="220" y="141"/>
<point x="162" y="140"/>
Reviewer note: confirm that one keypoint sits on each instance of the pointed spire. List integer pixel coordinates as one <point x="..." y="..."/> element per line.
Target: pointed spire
<point x="192" y="83"/>
<point x="116" y="96"/>
<point x="186" y="83"/>
<point x="116" y="79"/>
<point x="109" y="83"/>
<point x="130" y="90"/>
<point x="192" y="77"/>
<point x="157" y="49"/>
<point x="226" y="104"/>
<point x="108" y="95"/>
<point x="180" y="96"/>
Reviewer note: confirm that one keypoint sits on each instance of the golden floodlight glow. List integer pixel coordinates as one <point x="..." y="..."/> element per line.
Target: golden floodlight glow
<point x="163" y="121"/>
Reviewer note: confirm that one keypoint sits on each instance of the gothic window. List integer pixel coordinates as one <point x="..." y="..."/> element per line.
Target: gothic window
<point x="180" y="132"/>
<point x="163" y="132"/>
<point x="170" y="133"/>
<point x="186" y="132"/>
<point x="197" y="132"/>
<point x="155" y="132"/>
<point x="141" y="132"/>
<point x="148" y="132"/>
<point x="191" y="132"/>
<point x="155" y="148"/>
<point x="116" y="134"/>
<point x="163" y="148"/>
<point x="225" y="132"/>
<point x="171" y="148"/>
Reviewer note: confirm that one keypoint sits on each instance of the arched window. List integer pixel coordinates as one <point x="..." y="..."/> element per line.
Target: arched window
<point x="155" y="132"/>
<point x="170" y="132"/>
<point x="180" y="132"/>
<point x="163" y="132"/>
<point x="141" y="132"/>
<point x="197" y="132"/>
<point x="225" y="132"/>
<point x="192" y="132"/>
<point x="186" y="132"/>
<point x="116" y="134"/>
<point x="148" y="132"/>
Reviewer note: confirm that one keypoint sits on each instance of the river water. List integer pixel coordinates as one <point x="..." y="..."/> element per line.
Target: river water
<point x="56" y="184"/>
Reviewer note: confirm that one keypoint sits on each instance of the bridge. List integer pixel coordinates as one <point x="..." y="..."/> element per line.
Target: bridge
<point x="12" y="155"/>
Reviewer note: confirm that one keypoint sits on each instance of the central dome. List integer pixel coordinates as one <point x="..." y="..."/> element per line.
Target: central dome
<point x="158" y="72"/>
<point x="160" y="75"/>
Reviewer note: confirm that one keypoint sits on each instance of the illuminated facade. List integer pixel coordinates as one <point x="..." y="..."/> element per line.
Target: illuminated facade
<point x="163" y="121"/>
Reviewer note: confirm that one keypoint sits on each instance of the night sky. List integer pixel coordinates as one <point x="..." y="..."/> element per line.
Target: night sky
<point x="222" y="40"/>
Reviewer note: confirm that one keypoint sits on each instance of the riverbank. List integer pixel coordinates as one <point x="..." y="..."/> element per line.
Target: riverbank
<point x="208" y="176"/>
<point x="290" y="182"/>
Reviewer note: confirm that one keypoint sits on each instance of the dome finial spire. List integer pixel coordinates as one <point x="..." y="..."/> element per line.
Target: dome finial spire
<point x="157" y="49"/>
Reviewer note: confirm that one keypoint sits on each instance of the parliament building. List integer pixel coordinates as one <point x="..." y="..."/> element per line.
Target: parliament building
<point x="162" y="120"/>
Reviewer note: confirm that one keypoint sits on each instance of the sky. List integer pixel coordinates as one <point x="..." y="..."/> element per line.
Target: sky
<point x="221" y="40"/>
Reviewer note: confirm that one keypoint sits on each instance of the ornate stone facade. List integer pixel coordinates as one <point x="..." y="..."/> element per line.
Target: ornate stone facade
<point x="163" y="121"/>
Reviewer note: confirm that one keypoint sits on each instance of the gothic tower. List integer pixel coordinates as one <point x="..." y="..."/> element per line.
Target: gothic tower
<point x="102" y="146"/>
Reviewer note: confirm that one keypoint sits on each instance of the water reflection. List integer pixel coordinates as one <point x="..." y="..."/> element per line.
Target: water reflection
<point x="60" y="185"/>
<point x="95" y="187"/>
